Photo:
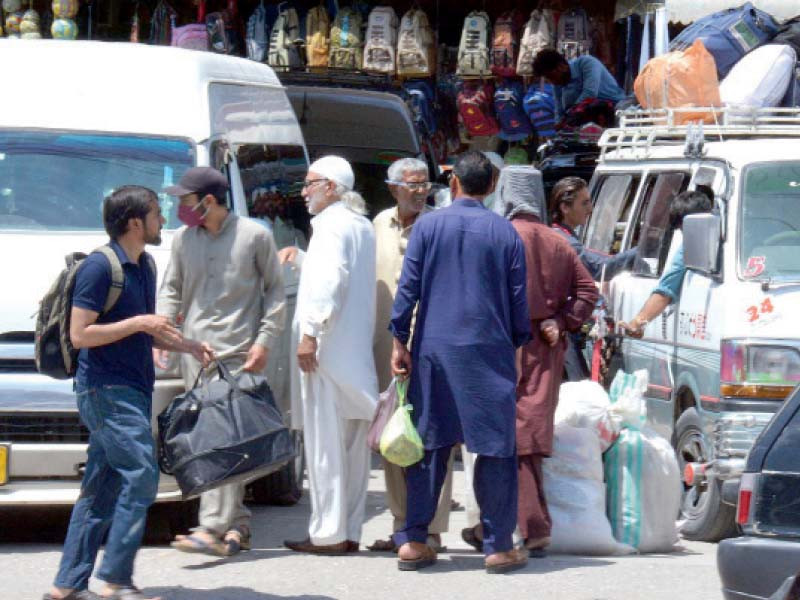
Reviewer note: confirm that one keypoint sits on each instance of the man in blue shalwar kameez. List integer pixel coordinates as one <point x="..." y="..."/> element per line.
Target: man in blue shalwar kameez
<point x="464" y="272"/>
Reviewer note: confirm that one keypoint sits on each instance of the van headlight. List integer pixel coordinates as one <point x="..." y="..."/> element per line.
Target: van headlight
<point x="754" y="370"/>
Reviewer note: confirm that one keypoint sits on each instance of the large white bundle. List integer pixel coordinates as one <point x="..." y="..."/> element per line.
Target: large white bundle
<point x="576" y="495"/>
<point x="586" y="404"/>
<point x="760" y="78"/>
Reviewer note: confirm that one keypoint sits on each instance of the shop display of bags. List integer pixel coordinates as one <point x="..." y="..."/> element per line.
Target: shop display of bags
<point x="192" y="37"/>
<point x="576" y="495"/>
<point x="729" y="34"/>
<point x="257" y="38"/>
<point x="540" y="106"/>
<point x="416" y="47"/>
<point x="475" y="108"/>
<point x="422" y="100"/>
<point x="761" y="78"/>
<point x="222" y="32"/>
<point x="514" y="123"/>
<point x="318" y="40"/>
<point x="505" y="43"/>
<point x="678" y="79"/>
<point x="539" y="33"/>
<point x="381" y="47"/>
<point x="161" y="24"/>
<point x="574" y="34"/>
<point x="284" y="51"/>
<point x="473" y="51"/>
<point x="346" y="50"/>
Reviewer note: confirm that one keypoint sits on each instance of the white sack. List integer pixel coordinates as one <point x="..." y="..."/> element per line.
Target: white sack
<point x="760" y="78"/>
<point x="586" y="404"/>
<point x="576" y="495"/>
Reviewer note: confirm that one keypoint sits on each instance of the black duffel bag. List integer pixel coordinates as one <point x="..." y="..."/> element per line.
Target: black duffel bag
<point x="227" y="431"/>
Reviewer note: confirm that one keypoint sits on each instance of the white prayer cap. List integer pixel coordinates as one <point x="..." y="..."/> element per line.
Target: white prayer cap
<point x="334" y="168"/>
<point x="496" y="160"/>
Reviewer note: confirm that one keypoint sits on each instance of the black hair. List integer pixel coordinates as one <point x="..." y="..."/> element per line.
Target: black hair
<point x="565" y="191"/>
<point x="474" y="172"/>
<point x="220" y="196"/>
<point x="547" y="60"/>
<point x="689" y="203"/>
<point x="126" y="203"/>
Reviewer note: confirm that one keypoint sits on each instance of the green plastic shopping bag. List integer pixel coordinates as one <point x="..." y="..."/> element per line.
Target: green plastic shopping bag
<point x="400" y="442"/>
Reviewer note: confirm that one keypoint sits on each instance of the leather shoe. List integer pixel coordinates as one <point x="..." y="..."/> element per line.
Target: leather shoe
<point x="413" y="556"/>
<point x="327" y="549"/>
<point x="505" y="562"/>
<point x="351" y="546"/>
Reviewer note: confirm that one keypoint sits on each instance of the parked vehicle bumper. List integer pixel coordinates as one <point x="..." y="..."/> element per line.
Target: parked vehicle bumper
<point x="753" y="567"/>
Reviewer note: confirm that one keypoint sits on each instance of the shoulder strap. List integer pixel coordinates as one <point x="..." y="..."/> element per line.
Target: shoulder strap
<point x="117" y="277"/>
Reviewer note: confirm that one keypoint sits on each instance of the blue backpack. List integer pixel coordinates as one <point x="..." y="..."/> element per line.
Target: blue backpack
<point x="540" y="106"/>
<point x="422" y="100"/>
<point x="514" y="123"/>
<point x="729" y="34"/>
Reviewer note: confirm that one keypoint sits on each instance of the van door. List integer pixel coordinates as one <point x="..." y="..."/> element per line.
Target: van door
<point x="655" y="352"/>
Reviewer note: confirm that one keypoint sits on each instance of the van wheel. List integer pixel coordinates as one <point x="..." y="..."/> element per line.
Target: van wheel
<point x="284" y="487"/>
<point x="706" y="517"/>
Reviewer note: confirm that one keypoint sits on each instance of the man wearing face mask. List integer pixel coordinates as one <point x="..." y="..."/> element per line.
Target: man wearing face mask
<point x="224" y="277"/>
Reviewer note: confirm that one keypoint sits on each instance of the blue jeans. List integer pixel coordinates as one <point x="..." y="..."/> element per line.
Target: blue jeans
<point x="119" y="485"/>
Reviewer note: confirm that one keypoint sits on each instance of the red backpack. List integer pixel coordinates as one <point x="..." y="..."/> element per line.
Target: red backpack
<point x="475" y="108"/>
<point x="505" y="43"/>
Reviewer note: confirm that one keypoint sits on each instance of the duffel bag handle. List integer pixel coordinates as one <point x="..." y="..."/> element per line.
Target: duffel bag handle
<point x="225" y="374"/>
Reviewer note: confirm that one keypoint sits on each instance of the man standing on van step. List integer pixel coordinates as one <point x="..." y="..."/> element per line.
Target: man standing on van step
<point x="224" y="277"/>
<point x="409" y="185"/>
<point x="334" y="374"/>
<point x="464" y="273"/>
<point x="114" y="385"/>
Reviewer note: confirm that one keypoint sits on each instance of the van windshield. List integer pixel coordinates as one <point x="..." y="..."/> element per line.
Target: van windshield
<point x="769" y="245"/>
<point x="56" y="181"/>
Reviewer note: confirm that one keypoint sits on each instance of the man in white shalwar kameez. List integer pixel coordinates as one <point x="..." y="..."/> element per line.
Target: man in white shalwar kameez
<point x="335" y="382"/>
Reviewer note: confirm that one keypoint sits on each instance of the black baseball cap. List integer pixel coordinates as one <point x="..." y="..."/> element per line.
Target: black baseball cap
<point x="200" y="181"/>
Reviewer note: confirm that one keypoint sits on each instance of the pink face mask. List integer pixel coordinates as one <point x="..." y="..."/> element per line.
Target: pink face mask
<point x="189" y="216"/>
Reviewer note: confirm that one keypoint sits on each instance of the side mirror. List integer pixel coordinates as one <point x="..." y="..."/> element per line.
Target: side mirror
<point x="701" y="242"/>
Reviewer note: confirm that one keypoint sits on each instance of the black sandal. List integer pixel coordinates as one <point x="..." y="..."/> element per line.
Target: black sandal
<point x="74" y="595"/>
<point x="468" y="535"/>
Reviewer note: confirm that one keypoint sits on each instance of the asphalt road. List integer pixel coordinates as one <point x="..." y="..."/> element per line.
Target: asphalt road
<point x="30" y="549"/>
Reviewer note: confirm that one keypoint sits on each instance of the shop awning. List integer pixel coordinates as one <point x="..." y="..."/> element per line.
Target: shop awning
<point x="686" y="11"/>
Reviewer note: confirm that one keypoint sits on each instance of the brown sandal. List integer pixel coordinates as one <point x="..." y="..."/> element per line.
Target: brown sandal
<point x="383" y="546"/>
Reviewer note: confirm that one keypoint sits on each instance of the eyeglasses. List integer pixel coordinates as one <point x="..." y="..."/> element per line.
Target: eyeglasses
<point x="309" y="182"/>
<point x="422" y="186"/>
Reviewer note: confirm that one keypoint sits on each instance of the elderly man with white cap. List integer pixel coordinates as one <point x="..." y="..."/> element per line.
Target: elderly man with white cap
<point x="335" y="388"/>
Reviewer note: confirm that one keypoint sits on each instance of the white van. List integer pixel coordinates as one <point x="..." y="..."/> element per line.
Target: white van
<point x="723" y="358"/>
<point x="77" y="120"/>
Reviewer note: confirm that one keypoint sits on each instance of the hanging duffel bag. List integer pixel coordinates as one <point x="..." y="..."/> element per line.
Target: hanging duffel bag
<point x="729" y="34"/>
<point x="225" y="431"/>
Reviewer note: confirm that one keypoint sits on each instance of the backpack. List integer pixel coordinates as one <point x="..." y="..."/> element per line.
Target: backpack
<point x="162" y="23"/>
<point x="257" y="39"/>
<point x="505" y="43"/>
<point x="422" y="101"/>
<point x="283" y="52"/>
<point x="514" y="123"/>
<point x="416" y="50"/>
<point x="381" y="47"/>
<point x="574" y="34"/>
<point x="539" y="33"/>
<point x="475" y="109"/>
<point x="53" y="351"/>
<point x="346" y="51"/>
<point x="473" y="51"/>
<point x="222" y="35"/>
<point x="192" y="37"/>
<point x="318" y="41"/>
<point x="540" y="106"/>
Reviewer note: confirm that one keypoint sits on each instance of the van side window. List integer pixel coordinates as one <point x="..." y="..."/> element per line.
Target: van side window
<point x="613" y="198"/>
<point x="272" y="179"/>
<point x="652" y="234"/>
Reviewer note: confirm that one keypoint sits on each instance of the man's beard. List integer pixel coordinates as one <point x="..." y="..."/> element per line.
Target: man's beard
<point x="154" y="240"/>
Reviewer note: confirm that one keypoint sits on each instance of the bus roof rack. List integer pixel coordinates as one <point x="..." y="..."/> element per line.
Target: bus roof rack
<point x="640" y="130"/>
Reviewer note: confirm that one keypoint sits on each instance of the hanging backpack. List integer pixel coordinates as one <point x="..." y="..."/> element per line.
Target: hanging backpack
<point x="574" y="34"/>
<point x="162" y="23"/>
<point x="192" y="37"/>
<point x="505" y="43"/>
<point x="257" y="39"/>
<point x="318" y="40"/>
<point x="539" y="33"/>
<point x="346" y="51"/>
<point x="416" y="48"/>
<point x="540" y="106"/>
<point x="514" y="123"/>
<point x="473" y="51"/>
<point x="422" y="101"/>
<point x="381" y="47"/>
<point x="475" y="109"/>
<point x="221" y="32"/>
<point x="283" y="51"/>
